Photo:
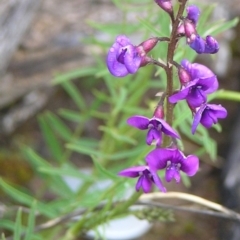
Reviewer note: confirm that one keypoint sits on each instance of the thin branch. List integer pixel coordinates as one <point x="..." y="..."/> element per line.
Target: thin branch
<point x="187" y="209"/>
<point x="194" y="199"/>
<point x="217" y="210"/>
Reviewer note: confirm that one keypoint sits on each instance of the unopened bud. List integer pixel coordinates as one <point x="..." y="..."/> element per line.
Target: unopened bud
<point x="181" y="30"/>
<point x="147" y="45"/>
<point x="184" y="76"/>
<point x="159" y="112"/>
<point x="211" y="45"/>
<point x="198" y="45"/>
<point x="193" y="13"/>
<point x="190" y="31"/>
<point x="166" y="5"/>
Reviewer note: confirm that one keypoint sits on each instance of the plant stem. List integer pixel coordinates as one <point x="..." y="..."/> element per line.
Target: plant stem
<point x="169" y="69"/>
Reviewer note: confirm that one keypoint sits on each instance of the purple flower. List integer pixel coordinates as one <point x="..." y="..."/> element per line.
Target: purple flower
<point x="193" y="13"/>
<point x="145" y="180"/>
<point x="208" y="115"/>
<point x="200" y="45"/>
<point x="155" y="126"/>
<point x="202" y="82"/>
<point x="123" y="57"/>
<point x="174" y="161"/>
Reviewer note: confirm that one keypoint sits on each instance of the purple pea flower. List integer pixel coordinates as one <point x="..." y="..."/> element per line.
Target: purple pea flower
<point x="123" y="58"/>
<point x="208" y="115"/>
<point x="202" y="82"/>
<point x="145" y="180"/>
<point x="155" y="126"/>
<point x="174" y="161"/>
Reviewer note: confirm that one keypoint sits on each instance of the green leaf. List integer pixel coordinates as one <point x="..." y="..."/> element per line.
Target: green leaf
<point x="7" y="224"/>
<point x="117" y="135"/>
<point x="121" y="100"/>
<point x="26" y="199"/>
<point x="67" y="171"/>
<point x="102" y="170"/>
<point x="87" y="150"/>
<point x="75" y="94"/>
<point x="226" y="95"/>
<point x="221" y="27"/>
<point x="55" y="182"/>
<point x="73" y="116"/>
<point x="59" y="126"/>
<point x="75" y="74"/>
<point x="31" y="222"/>
<point x="51" y="139"/>
<point x="18" y="225"/>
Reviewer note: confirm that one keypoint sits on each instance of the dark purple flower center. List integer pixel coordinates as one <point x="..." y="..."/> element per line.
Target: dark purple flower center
<point x="210" y="115"/>
<point x="120" y="58"/>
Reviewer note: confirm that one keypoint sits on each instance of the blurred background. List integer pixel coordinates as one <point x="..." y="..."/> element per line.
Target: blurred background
<point x="41" y="39"/>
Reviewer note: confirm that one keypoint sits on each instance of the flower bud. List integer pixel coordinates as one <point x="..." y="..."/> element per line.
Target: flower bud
<point x="198" y="45"/>
<point x="190" y="31"/>
<point x="181" y="30"/>
<point x="184" y="76"/>
<point x="147" y="45"/>
<point x="193" y="13"/>
<point x="211" y="45"/>
<point x="159" y="112"/>
<point x="166" y="5"/>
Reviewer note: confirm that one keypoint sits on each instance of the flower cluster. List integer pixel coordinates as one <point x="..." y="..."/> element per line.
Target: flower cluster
<point x="196" y="80"/>
<point x="171" y="159"/>
<point x="196" y="42"/>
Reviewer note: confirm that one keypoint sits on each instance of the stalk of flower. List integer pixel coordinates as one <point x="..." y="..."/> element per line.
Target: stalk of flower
<point x="155" y="125"/>
<point x="173" y="161"/>
<point x="194" y="40"/>
<point x="196" y="81"/>
<point x="124" y="58"/>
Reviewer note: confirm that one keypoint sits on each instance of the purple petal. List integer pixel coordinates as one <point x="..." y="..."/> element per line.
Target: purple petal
<point x="198" y="45"/>
<point x="193" y="13"/>
<point x="116" y="68"/>
<point x="139" y="183"/>
<point x="172" y="172"/>
<point x="157" y="158"/>
<point x="132" y="172"/>
<point x="139" y="122"/>
<point x="132" y="60"/>
<point x="212" y="45"/>
<point x="190" y="165"/>
<point x="196" y="97"/>
<point x="197" y="71"/>
<point x="168" y="130"/>
<point x="186" y="64"/>
<point x="209" y="84"/>
<point x="158" y="182"/>
<point x="219" y="111"/>
<point x="122" y="40"/>
<point x="197" y="118"/>
<point x="154" y="134"/>
<point x="180" y="95"/>
<point x="208" y="118"/>
<point x="146" y="184"/>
